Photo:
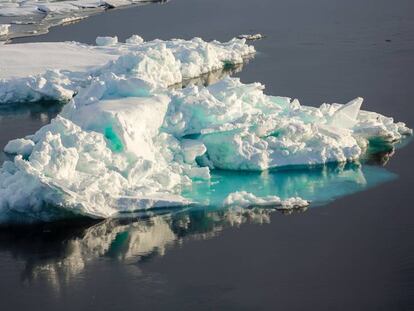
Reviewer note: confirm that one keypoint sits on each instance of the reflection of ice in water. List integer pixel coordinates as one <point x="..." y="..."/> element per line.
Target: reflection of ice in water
<point x="124" y="242"/>
<point x="141" y="236"/>
<point x="133" y="240"/>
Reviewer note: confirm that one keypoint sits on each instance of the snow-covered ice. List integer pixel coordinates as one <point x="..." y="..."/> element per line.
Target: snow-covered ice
<point x="126" y="141"/>
<point x="59" y="70"/>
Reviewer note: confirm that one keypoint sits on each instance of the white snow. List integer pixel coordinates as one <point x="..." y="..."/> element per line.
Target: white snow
<point x="30" y="59"/>
<point x="126" y="141"/>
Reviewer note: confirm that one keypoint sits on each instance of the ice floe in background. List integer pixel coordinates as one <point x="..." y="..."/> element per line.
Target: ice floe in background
<point x="251" y="37"/>
<point x="128" y="140"/>
<point x="33" y="17"/>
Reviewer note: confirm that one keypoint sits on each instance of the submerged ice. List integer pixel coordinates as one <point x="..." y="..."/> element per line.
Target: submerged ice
<point x="127" y="141"/>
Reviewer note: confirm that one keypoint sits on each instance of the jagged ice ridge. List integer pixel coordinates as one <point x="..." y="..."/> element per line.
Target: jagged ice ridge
<point x="126" y="141"/>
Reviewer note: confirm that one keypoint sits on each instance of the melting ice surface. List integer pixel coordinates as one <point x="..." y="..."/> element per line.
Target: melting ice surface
<point x="127" y="141"/>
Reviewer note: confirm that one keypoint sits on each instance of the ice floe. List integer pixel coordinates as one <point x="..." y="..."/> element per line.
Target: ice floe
<point x="33" y="17"/>
<point x="59" y="70"/>
<point x="4" y="29"/>
<point x="126" y="141"/>
<point x="251" y="37"/>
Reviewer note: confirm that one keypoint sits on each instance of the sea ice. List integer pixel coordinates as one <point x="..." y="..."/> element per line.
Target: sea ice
<point x="34" y="71"/>
<point x="126" y="141"/>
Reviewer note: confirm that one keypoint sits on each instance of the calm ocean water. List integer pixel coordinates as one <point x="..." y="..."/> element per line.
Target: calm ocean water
<point x="355" y="253"/>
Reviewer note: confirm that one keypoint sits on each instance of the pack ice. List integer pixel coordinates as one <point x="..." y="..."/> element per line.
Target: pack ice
<point x="128" y="141"/>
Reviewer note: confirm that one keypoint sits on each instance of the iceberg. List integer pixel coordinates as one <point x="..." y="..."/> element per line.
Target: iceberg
<point x="127" y="140"/>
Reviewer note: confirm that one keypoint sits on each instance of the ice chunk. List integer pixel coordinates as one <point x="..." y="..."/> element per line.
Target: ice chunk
<point x="129" y="124"/>
<point x="134" y="39"/>
<point x="106" y="41"/>
<point x="256" y="36"/>
<point x="4" y="29"/>
<point x="347" y="115"/>
<point x="243" y="129"/>
<point x="20" y="146"/>
<point x="192" y="149"/>
<point x="38" y="16"/>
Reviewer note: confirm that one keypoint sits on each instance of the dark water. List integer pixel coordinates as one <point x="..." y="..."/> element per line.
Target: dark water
<point x="356" y="253"/>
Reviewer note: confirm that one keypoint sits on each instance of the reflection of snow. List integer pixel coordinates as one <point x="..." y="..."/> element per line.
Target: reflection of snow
<point x="130" y="241"/>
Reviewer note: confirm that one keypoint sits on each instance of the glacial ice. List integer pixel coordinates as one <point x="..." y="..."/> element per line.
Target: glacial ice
<point x="126" y="141"/>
